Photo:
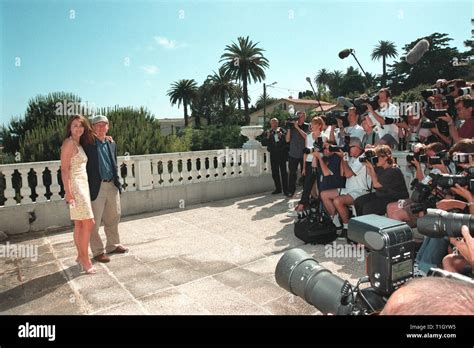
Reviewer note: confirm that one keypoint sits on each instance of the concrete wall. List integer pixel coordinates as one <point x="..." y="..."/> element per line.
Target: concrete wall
<point x="55" y="214"/>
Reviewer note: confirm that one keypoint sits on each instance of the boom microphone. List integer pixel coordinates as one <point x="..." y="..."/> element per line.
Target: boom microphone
<point x="417" y="51"/>
<point x="345" y="53"/>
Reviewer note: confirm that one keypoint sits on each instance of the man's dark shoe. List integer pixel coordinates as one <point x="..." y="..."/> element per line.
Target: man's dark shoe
<point x="119" y="250"/>
<point x="276" y="192"/>
<point x="102" y="258"/>
<point x="289" y="194"/>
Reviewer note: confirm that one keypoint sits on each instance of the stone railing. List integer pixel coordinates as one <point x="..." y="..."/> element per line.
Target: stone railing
<point x="36" y="182"/>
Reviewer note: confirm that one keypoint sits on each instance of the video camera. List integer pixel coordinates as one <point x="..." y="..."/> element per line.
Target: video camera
<point x="333" y="115"/>
<point x="369" y="156"/>
<point x="389" y="265"/>
<point x="364" y="99"/>
<point x="432" y="120"/>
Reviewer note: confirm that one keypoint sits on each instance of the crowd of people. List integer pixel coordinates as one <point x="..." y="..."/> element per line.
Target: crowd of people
<point x="348" y="166"/>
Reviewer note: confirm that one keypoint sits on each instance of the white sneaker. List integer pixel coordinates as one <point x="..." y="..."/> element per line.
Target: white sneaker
<point x="292" y="213"/>
<point x="335" y="220"/>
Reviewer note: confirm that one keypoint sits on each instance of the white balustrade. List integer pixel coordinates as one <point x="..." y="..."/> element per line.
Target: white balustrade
<point x="145" y="174"/>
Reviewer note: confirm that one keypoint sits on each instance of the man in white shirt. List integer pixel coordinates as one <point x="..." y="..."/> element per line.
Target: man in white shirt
<point x="388" y="133"/>
<point x="358" y="183"/>
<point x="352" y="130"/>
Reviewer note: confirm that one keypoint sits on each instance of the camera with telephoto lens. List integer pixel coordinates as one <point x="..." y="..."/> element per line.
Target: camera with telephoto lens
<point x="369" y="156"/>
<point x="462" y="158"/>
<point x="438" y="223"/>
<point x="464" y="91"/>
<point x="396" y="120"/>
<point x="317" y="146"/>
<point x="423" y="197"/>
<point x="389" y="264"/>
<point x="438" y="90"/>
<point x="360" y="102"/>
<point x="333" y="115"/>
<point x="420" y="156"/>
<point x="344" y="148"/>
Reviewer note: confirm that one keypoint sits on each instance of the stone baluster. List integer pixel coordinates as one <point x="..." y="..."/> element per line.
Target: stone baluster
<point x="40" y="188"/>
<point x="25" y="190"/>
<point x="9" y="192"/>
<point x="55" y="188"/>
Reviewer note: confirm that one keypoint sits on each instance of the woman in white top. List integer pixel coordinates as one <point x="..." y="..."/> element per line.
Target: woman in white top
<point x="312" y="158"/>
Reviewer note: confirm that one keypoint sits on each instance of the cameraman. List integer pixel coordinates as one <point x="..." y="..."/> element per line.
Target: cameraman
<point x="352" y="130"/>
<point x="464" y="110"/>
<point x="296" y="136"/>
<point x="388" y="182"/>
<point x="337" y="201"/>
<point x="278" y="156"/>
<point x="388" y="134"/>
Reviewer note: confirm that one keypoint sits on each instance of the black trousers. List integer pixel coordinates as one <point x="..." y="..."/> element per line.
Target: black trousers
<point x="371" y="204"/>
<point x="293" y="167"/>
<point x="279" y="173"/>
<point x="309" y="180"/>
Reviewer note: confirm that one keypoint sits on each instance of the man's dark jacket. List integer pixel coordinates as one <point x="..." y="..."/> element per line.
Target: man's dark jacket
<point x="93" y="173"/>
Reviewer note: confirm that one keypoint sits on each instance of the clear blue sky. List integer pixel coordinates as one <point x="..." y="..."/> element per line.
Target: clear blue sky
<point x="165" y="41"/>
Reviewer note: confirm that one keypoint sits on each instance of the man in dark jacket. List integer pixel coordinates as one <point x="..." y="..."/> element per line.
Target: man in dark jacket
<point x="104" y="187"/>
<point x="276" y="145"/>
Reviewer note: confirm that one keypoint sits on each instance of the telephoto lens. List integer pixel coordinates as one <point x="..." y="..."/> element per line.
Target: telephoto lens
<point x="303" y="276"/>
<point x="438" y="223"/>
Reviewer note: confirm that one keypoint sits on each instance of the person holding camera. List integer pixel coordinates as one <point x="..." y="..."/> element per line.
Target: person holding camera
<point x="337" y="201"/>
<point x="387" y="180"/>
<point x="433" y="250"/>
<point x="388" y="133"/>
<point x="461" y="261"/>
<point x="277" y="146"/>
<point x="296" y="136"/>
<point x="352" y="130"/>
<point x="370" y="137"/>
<point x="464" y="111"/>
<point x="313" y="157"/>
<point x="401" y="210"/>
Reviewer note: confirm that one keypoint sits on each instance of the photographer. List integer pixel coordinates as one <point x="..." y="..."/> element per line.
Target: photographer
<point x="337" y="201"/>
<point x="370" y="135"/>
<point x="402" y="210"/>
<point x="464" y="110"/>
<point x="387" y="181"/>
<point x="388" y="134"/>
<point x="312" y="159"/>
<point x="296" y="136"/>
<point x="433" y="250"/>
<point x="352" y="130"/>
<point x="277" y="147"/>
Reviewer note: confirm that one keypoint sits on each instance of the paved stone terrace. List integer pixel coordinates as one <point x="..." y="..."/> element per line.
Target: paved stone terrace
<point x="215" y="258"/>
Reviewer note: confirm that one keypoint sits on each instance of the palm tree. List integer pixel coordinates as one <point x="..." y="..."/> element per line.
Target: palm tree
<point x="384" y="50"/>
<point x="334" y="82"/>
<point x="221" y="85"/>
<point x="245" y="61"/>
<point x="183" y="91"/>
<point x="322" y="77"/>
<point x="238" y="93"/>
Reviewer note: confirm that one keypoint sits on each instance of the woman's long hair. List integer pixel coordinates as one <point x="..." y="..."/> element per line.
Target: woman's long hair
<point x="88" y="136"/>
